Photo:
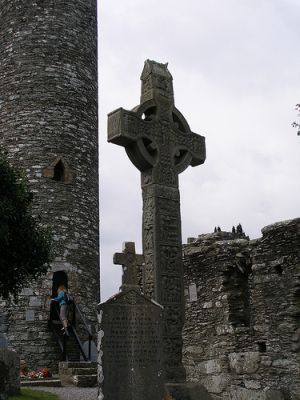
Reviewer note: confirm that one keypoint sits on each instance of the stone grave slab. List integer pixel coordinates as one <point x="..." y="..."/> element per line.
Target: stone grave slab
<point x="130" y="338"/>
<point x="9" y="373"/>
<point x="131" y="347"/>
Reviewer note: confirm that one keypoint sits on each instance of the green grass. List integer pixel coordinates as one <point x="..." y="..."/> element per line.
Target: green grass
<point x="30" y="394"/>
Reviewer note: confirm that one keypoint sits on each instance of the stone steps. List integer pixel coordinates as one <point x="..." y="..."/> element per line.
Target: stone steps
<point x="85" y="380"/>
<point x="84" y="371"/>
<point x="77" y="364"/>
<point x="81" y="374"/>
<point x="47" y="382"/>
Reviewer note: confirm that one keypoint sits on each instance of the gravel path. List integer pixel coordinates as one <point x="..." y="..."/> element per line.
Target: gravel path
<point x="71" y="392"/>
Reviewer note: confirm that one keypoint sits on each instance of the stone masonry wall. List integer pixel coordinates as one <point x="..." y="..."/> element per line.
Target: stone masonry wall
<point x="241" y="336"/>
<point x="48" y="126"/>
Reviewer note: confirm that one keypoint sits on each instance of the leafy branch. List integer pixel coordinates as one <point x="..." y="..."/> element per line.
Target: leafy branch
<point x="297" y="124"/>
<point x="24" y="245"/>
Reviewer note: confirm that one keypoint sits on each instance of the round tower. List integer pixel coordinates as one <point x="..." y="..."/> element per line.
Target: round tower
<point x="48" y="126"/>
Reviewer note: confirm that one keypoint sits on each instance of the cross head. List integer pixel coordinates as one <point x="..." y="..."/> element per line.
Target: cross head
<point x="156" y="136"/>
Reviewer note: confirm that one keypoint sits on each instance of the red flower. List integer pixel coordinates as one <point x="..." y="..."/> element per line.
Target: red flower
<point x="39" y="374"/>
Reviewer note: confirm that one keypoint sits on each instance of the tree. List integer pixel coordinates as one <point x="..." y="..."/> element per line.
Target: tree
<point x="24" y="245"/>
<point x="296" y="124"/>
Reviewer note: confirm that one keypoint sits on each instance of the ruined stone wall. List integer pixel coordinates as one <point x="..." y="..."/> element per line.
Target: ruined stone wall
<point x="276" y="305"/>
<point x="241" y="335"/>
<point x="48" y="126"/>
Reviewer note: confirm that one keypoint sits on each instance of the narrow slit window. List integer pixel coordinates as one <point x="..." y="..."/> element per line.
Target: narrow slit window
<point x="262" y="347"/>
<point x="278" y="270"/>
<point x="59" y="172"/>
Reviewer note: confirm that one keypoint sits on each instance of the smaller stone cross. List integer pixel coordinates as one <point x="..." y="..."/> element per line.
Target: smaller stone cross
<point x="130" y="262"/>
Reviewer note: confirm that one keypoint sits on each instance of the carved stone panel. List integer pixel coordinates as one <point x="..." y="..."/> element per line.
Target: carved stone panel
<point x="132" y="347"/>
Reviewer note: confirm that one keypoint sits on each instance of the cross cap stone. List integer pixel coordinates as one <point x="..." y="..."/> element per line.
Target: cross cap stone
<point x="130" y="262"/>
<point x="156" y="81"/>
<point x="156" y="136"/>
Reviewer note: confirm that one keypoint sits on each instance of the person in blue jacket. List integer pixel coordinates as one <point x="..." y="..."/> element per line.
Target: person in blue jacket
<point x="63" y="307"/>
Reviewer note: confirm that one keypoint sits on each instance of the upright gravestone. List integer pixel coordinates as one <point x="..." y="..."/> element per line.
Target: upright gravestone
<point x="161" y="145"/>
<point x="9" y="372"/>
<point x="130" y="339"/>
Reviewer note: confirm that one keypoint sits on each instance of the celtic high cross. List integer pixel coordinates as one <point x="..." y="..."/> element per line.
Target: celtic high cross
<point x="161" y="145"/>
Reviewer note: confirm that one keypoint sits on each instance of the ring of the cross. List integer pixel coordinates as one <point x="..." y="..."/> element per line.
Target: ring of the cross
<point x="144" y="153"/>
<point x="181" y="156"/>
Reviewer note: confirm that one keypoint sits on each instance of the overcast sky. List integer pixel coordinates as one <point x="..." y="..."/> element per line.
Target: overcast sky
<point x="236" y="78"/>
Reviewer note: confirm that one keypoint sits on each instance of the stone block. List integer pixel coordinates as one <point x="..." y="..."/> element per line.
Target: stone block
<point x="210" y="367"/>
<point x="85" y="380"/>
<point x="216" y="383"/>
<point x="34" y="301"/>
<point x="29" y="315"/>
<point x="27" y="292"/>
<point x="42" y="382"/>
<point x="249" y="384"/>
<point x="272" y="394"/>
<point x="194" y="351"/>
<point x="284" y="363"/>
<point x="187" y="391"/>
<point x="244" y="363"/>
<point x="239" y="393"/>
<point x="224" y="330"/>
<point x="79" y="373"/>
<point x="193" y="292"/>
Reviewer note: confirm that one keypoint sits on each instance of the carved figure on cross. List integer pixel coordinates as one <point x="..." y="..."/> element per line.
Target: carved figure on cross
<point x="130" y="262"/>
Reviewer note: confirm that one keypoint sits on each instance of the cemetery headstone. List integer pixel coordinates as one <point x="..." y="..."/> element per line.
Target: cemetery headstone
<point x="9" y="373"/>
<point x="131" y="339"/>
<point x="159" y="142"/>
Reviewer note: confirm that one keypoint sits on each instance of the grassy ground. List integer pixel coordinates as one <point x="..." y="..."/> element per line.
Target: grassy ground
<point x="29" y="394"/>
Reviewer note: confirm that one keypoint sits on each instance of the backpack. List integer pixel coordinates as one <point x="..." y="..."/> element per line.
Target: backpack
<point x="68" y="298"/>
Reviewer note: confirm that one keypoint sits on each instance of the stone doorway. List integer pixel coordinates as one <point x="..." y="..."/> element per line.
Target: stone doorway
<point x="59" y="278"/>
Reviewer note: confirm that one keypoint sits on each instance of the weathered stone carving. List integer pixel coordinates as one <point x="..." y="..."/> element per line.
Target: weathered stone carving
<point x="130" y="263"/>
<point x="161" y="145"/>
<point x="130" y="338"/>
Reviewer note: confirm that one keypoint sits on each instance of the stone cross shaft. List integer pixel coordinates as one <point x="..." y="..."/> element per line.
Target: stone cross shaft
<point x="130" y="262"/>
<point x="161" y="145"/>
